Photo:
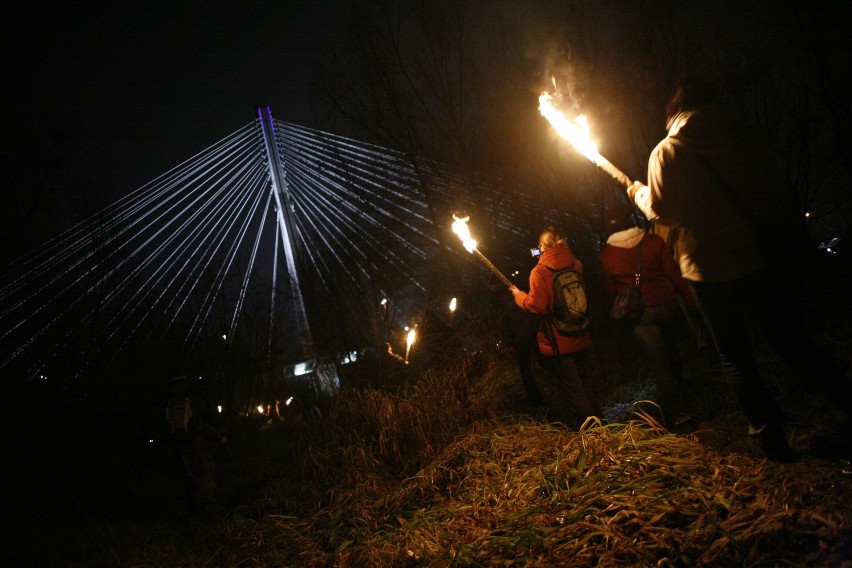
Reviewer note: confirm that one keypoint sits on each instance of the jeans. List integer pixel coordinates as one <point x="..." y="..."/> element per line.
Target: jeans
<point x="659" y="333"/>
<point x="727" y="309"/>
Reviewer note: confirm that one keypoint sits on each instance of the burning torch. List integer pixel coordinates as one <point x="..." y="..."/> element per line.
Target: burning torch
<point x="412" y="337"/>
<point x="460" y="228"/>
<point x="577" y="133"/>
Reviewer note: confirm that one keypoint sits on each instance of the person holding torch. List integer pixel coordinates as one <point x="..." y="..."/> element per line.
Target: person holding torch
<point x="558" y="350"/>
<point x="739" y="244"/>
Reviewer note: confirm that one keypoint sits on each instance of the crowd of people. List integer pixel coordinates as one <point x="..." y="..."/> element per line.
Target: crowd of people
<point x="730" y="243"/>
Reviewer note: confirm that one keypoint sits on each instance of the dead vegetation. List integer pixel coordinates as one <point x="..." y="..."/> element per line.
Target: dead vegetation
<point x="416" y="477"/>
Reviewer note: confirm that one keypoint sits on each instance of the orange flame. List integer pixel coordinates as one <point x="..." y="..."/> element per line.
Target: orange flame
<point x="460" y="228"/>
<point x="412" y="337"/>
<point x="575" y="131"/>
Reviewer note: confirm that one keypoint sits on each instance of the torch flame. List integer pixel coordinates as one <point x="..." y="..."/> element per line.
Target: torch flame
<point x="453" y="305"/>
<point x="412" y="335"/>
<point x="575" y="131"/>
<point x="460" y="228"/>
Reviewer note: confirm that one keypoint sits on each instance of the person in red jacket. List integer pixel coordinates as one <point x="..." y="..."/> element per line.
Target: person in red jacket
<point x="555" y="255"/>
<point x="662" y="325"/>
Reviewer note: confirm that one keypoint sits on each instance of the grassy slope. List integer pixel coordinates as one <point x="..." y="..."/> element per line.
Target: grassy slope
<point x="418" y="477"/>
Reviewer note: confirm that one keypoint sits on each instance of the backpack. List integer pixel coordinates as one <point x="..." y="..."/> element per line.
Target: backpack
<point x="570" y="305"/>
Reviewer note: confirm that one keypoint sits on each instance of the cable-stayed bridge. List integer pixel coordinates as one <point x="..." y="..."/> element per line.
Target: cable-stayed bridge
<point x="275" y="245"/>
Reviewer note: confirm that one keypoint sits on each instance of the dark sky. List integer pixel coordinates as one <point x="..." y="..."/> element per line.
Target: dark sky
<point x="138" y="87"/>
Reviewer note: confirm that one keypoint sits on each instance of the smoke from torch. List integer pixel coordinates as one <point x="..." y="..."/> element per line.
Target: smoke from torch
<point x="460" y="228"/>
<point x="577" y="133"/>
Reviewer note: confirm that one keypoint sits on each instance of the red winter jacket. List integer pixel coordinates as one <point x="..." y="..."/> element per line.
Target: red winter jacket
<point x="539" y="300"/>
<point x="661" y="280"/>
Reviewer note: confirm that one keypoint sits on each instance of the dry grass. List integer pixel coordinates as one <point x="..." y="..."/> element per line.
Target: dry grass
<point x="419" y="478"/>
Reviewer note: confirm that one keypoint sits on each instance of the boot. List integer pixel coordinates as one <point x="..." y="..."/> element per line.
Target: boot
<point x="773" y="440"/>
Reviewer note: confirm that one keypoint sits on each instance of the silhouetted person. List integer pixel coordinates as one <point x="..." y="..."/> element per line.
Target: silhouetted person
<point x="518" y="328"/>
<point x="194" y="439"/>
<point x="738" y="242"/>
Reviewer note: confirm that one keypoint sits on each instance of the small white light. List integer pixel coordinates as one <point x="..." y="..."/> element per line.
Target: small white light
<point x="384" y="301"/>
<point x="260" y="408"/>
<point x="224" y="337"/>
<point x="453" y="305"/>
<point x="219" y="408"/>
<point x="289" y="400"/>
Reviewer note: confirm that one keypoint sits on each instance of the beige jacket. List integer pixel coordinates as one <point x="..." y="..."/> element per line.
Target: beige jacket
<point x="716" y="236"/>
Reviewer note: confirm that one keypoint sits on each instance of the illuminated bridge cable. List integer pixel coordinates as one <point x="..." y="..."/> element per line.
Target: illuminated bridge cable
<point x="154" y="264"/>
<point x="73" y="303"/>
<point x="68" y="244"/>
<point x="122" y="312"/>
<point x="174" y="264"/>
<point x="235" y="318"/>
<point x="219" y="280"/>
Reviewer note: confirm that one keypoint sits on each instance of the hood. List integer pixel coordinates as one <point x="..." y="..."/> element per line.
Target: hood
<point x="557" y="257"/>
<point x="626" y="239"/>
<point x="707" y="131"/>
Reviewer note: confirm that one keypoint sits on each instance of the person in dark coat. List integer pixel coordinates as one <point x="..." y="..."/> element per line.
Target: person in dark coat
<point x="715" y="184"/>
<point x="517" y="328"/>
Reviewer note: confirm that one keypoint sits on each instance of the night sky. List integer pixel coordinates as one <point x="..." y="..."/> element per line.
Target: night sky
<point x="118" y="93"/>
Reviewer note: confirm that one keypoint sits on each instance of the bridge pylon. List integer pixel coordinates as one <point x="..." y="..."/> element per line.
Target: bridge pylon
<point x="286" y="226"/>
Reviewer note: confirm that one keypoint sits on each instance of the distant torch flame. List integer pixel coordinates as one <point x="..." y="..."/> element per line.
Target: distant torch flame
<point x="453" y="305"/>
<point x="577" y="133"/>
<point x="460" y="228"/>
<point x="412" y="337"/>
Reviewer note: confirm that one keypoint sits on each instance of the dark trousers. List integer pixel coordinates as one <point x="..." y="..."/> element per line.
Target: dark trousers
<point x="580" y="400"/>
<point x="729" y="307"/>
<point x="659" y="333"/>
<point x="526" y="347"/>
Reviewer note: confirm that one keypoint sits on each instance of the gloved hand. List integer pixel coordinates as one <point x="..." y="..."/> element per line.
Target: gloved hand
<point x="631" y="191"/>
